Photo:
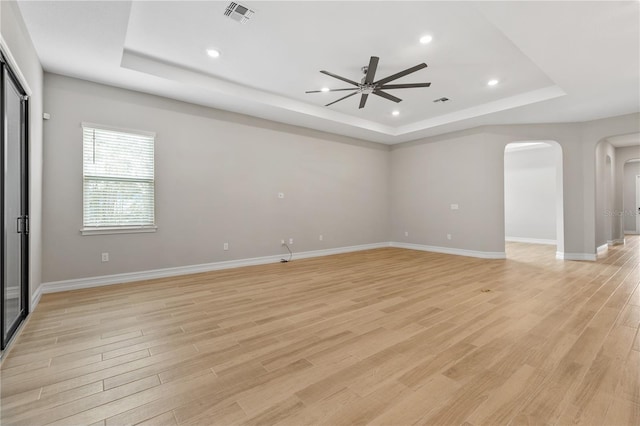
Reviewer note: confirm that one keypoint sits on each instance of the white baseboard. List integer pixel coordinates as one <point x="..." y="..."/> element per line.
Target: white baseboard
<point x="629" y="232"/>
<point x="80" y="283"/>
<point x="615" y="242"/>
<point x="530" y="240"/>
<point x="601" y="250"/>
<point x="575" y="256"/>
<point x="35" y="298"/>
<point x="454" y="251"/>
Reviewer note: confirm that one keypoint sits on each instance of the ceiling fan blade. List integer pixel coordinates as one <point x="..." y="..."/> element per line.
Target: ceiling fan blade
<point x="400" y="74"/>
<point x="331" y="90"/>
<point x="386" y="96"/>
<point x="371" y="70"/>
<point x="345" y="97"/>
<point x="404" y="86"/>
<point x="363" y="100"/>
<point x="346" y="80"/>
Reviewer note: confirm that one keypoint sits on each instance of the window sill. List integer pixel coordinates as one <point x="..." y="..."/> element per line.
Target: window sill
<point x="118" y="230"/>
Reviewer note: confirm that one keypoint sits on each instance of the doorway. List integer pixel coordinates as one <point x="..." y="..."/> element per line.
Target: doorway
<point x="14" y="249"/>
<point x="533" y="199"/>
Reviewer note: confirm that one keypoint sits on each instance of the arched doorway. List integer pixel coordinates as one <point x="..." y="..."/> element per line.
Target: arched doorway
<point x="614" y="208"/>
<point x="631" y="197"/>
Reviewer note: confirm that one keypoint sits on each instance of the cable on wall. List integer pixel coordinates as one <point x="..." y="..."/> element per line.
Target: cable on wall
<point x="290" y="254"/>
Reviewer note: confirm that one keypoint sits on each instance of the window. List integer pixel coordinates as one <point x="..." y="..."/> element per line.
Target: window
<point x="118" y="180"/>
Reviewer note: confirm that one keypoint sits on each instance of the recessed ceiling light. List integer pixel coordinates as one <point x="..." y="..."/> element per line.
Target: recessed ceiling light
<point x="426" y="39"/>
<point x="492" y="82"/>
<point x="324" y="89"/>
<point x="395" y="113"/>
<point x="213" y="53"/>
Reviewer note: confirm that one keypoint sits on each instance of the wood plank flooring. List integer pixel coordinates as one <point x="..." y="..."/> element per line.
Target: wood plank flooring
<point x="383" y="337"/>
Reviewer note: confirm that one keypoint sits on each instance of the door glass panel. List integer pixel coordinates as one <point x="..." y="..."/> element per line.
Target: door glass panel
<point x="12" y="204"/>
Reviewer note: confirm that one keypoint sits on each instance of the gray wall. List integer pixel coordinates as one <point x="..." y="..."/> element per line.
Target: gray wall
<point x="467" y="167"/>
<point x="426" y="178"/>
<point x="631" y="170"/>
<point x="218" y="175"/>
<point x="217" y="179"/>
<point x="530" y="193"/>
<point x="16" y="37"/>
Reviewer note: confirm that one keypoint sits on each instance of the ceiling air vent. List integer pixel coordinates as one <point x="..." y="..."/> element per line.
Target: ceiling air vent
<point x="441" y="100"/>
<point x="238" y="12"/>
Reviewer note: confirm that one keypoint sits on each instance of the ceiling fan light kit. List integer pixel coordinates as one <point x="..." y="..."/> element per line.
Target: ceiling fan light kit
<point x="368" y="86"/>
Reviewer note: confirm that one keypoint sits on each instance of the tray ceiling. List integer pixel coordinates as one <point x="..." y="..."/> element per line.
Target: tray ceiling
<point x="550" y="65"/>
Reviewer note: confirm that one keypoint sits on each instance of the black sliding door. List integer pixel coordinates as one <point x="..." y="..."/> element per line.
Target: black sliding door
<point x="14" y="248"/>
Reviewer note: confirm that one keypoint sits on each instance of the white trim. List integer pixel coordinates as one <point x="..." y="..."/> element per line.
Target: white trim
<point x="601" y="250"/>
<point x="575" y="256"/>
<point x="530" y="240"/>
<point x="80" y="283"/>
<point x="118" y="230"/>
<point x="4" y="47"/>
<point x="35" y="298"/>
<point x="616" y="242"/>
<point x="117" y="129"/>
<point x="450" y="250"/>
<point x="630" y="232"/>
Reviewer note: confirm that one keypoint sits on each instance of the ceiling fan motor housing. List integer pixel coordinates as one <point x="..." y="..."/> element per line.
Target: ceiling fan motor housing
<point x="368" y="86"/>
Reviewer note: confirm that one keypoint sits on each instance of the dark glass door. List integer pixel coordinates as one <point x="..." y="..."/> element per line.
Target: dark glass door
<point x="14" y="201"/>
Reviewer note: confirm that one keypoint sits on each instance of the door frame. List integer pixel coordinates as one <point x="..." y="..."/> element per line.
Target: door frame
<point x="24" y="199"/>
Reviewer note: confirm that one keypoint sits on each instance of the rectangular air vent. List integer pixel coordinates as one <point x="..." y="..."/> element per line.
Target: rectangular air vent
<point x="441" y="100"/>
<point x="238" y="12"/>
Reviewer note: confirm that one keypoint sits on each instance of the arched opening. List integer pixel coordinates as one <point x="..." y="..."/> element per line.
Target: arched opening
<point x="631" y="197"/>
<point x="533" y="195"/>
<point x="609" y="212"/>
<point x="615" y="209"/>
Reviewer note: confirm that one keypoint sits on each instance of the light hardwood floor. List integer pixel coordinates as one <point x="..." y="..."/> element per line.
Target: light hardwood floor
<point x="385" y="337"/>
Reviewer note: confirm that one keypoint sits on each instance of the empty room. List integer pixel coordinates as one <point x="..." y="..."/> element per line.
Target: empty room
<point x="320" y="213"/>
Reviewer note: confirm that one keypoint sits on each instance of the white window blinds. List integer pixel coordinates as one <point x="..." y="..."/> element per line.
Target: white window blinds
<point x="118" y="178"/>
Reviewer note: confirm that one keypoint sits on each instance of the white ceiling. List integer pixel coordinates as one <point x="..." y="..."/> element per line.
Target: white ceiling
<point x="556" y="61"/>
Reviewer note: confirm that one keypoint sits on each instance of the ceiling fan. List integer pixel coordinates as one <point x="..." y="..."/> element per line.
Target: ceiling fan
<point x="368" y="86"/>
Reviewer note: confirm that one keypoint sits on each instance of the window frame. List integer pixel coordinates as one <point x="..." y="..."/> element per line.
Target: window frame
<point x="124" y="229"/>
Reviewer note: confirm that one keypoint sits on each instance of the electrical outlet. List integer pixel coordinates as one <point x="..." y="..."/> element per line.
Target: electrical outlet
<point x="290" y="240"/>
<point x="449" y="236"/>
<point x="225" y="246"/>
<point x="406" y="233"/>
<point x="321" y="237"/>
<point x="105" y="257"/>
